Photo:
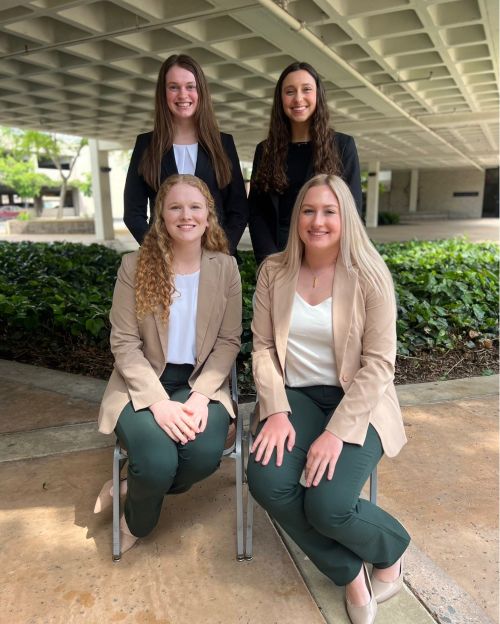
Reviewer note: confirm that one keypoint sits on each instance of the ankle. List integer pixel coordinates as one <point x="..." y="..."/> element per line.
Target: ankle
<point x="390" y="574"/>
<point x="357" y="592"/>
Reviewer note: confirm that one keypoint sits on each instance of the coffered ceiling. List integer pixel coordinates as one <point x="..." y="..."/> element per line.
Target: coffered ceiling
<point x="415" y="81"/>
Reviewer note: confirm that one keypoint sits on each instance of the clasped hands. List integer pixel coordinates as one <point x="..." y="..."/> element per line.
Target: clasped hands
<point x="182" y="421"/>
<point x="278" y="432"/>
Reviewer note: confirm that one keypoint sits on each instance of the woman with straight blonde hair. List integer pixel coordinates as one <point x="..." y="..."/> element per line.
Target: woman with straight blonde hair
<point x="324" y="349"/>
<point x="174" y="343"/>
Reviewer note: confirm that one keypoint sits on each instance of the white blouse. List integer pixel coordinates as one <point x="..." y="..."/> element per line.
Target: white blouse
<point x="182" y="320"/>
<point x="310" y="358"/>
<point x="185" y="157"/>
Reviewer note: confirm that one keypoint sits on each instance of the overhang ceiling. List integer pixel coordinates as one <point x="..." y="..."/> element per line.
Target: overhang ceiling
<point x="415" y="81"/>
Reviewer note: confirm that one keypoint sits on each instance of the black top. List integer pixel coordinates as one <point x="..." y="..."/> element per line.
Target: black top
<point x="270" y="212"/>
<point x="231" y="202"/>
<point x="297" y="164"/>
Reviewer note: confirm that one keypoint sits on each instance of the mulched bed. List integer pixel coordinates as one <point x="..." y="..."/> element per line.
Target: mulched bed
<point x="427" y="366"/>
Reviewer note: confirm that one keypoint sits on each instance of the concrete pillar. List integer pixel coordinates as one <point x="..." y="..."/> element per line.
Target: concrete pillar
<point x="101" y="192"/>
<point x="413" y="191"/>
<point x="372" y="194"/>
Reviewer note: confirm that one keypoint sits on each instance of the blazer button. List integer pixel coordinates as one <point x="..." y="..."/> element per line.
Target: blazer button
<point x="345" y="378"/>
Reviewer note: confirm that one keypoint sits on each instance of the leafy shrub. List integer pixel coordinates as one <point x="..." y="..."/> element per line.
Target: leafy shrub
<point x="388" y="218"/>
<point x="50" y="294"/>
<point x="58" y="294"/>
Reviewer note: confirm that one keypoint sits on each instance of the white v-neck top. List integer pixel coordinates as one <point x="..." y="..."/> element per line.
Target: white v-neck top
<point x="185" y="157"/>
<point x="310" y="358"/>
<point x="181" y="347"/>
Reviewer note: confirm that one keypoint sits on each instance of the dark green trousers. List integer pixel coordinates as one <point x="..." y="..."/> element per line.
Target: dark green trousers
<point x="334" y="527"/>
<point x="157" y="465"/>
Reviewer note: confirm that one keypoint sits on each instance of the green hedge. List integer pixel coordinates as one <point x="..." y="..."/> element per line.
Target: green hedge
<point x="59" y="293"/>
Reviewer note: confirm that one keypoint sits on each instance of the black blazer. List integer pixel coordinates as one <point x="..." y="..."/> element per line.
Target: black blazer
<point x="264" y="222"/>
<point x="231" y="202"/>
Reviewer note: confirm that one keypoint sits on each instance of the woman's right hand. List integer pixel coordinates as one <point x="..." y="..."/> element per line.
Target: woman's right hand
<point x="274" y="434"/>
<point x="176" y="420"/>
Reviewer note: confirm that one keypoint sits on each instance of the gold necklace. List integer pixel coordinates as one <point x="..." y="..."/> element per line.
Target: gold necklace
<point x="315" y="278"/>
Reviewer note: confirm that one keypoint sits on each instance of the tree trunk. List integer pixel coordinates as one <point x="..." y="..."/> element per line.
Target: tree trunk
<point x="62" y="197"/>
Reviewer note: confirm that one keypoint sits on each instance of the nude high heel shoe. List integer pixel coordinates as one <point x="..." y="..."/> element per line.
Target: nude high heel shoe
<point x="105" y="496"/>
<point x="383" y="590"/>
<point x="365" y="614"/>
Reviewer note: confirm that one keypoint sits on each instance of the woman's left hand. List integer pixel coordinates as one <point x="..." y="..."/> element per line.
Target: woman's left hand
<point x="323" y="453"/>
<point x="198" y="403"/>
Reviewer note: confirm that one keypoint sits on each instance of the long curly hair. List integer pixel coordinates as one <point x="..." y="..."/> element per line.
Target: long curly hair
<point x="155" y="277"/>
<point x="271" y="175"/>
<point x="204" y="120"/>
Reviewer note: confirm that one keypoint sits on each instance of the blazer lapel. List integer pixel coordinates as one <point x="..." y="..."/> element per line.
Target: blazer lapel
<point x="162" y="331"/>
<point x="207" y="292"/>
<point x="203" y="165"/>
<point x="168" y="164"/>
<point x="284" y="293"/>
<point x="344" y="289"/>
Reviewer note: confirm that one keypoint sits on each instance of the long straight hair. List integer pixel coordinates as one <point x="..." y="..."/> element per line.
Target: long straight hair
<point x="207" y="129"/>
<point x="271" y="174"/>
<point x="356" y="250"/>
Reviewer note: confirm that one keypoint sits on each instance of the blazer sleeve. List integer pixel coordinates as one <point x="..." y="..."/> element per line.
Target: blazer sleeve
<point x="376" y="371"/>
<point x="350" y="170"/>
<point x="266" y="368"/>
<point x="263" y="241"/>
<point x="141" y="380"/>
<point x="235" y="202"/>
<point x="135" y="196"/>
<point x="217" y="366"/>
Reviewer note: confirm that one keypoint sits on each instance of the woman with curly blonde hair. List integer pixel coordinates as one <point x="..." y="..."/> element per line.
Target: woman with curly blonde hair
<point x="174" y="343"/>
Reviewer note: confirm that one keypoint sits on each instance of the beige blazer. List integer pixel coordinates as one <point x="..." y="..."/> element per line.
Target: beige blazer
<point x="140" y="347"/>
<point x="364" y="332"/>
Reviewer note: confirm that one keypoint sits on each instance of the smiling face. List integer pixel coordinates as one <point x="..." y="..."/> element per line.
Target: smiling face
<point x="298" y="96"/>
<point x="182" y="93"/>
<point x="185" y="214"/>
<point x="319" y="224"/>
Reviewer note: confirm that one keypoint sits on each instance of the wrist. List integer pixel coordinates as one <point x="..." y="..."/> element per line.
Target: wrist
<point x="199" y="398"/>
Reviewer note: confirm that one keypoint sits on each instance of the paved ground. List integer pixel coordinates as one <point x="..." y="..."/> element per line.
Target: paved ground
<point x="56" y="554"/>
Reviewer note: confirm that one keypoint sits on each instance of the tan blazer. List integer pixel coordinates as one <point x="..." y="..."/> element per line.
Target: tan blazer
<point x="364" y="332"/>
<point x="140" y="347"/>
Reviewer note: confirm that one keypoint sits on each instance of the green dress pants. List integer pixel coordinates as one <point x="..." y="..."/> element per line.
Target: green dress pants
<point x="334" y="527"/>
<point x="157" y="465"/>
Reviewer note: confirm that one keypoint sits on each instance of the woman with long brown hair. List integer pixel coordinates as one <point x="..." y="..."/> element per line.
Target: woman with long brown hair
<point x="185" y="139"/>
<point x="168" y="398"/>
<point x="299" y="145"/>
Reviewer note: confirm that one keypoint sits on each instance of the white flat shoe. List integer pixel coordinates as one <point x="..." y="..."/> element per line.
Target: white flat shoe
<point x="383" y="590"/>
<point x="367" y="613"/>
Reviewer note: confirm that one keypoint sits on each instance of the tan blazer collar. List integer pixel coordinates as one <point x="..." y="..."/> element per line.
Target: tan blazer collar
<point x="344" y="289"/>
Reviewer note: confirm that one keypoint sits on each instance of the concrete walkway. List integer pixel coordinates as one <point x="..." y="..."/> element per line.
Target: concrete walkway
<point x="56" y="554"/>
<point x="476" y="230"/>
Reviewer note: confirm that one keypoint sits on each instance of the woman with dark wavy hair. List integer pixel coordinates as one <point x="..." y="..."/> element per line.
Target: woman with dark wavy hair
<point x="185" y="139"/>
<point x="174" y="343"/>
<point x="299" y="145"/>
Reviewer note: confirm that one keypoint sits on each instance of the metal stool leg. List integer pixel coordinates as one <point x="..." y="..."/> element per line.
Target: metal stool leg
<point x="373" y="486"/>
<point x="250" y="506"/>
<point x="119" y="458"/>
<point x="239" y="490"/>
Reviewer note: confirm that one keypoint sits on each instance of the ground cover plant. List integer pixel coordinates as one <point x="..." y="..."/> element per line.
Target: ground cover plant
<point x="55" y="300"/>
